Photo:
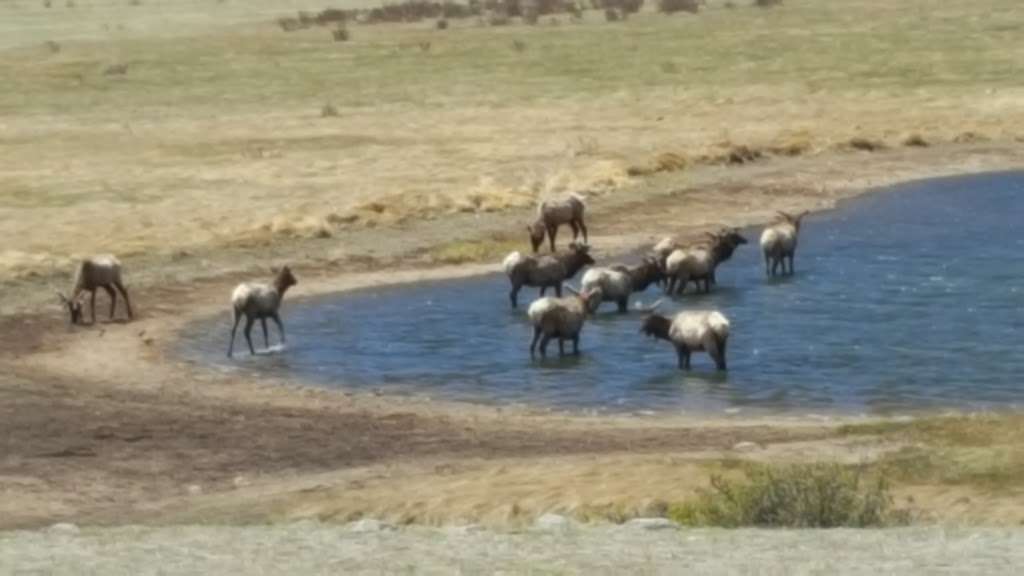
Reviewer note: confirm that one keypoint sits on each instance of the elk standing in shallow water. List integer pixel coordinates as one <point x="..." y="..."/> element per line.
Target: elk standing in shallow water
<point x="259" y="301"/>
<point x="545" y="271"/>
<point x="561" y="318"/>
<point x="691" y="331"/>
<point x="617" y="283"/>
<point x="93" y="273"/>
<point x="698" y="260"/>
<point x="551" y="215"/>
<point x="778" y="243"/>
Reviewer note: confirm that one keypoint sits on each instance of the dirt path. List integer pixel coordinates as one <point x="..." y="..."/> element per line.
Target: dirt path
<point x="106" y="424"/>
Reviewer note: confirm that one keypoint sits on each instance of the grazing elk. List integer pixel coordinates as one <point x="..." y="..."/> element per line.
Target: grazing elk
<point x="93" y="273"/>
<point x="551" y="215"/>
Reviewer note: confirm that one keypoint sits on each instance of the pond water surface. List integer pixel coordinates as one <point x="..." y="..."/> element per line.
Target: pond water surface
<point x="911" y="298"/>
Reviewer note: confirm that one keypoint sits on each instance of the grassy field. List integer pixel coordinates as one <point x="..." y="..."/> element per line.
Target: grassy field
<point x="213" y="134"/>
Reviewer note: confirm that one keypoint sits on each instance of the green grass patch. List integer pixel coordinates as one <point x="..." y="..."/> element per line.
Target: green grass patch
<point x="793" y="496"/>
<point x="983" y="451"/>
<point x="953" y="431"/>
<point x="467" y="251"/>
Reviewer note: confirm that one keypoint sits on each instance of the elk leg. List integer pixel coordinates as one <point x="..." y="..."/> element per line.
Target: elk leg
<point x="561" y="346"/>
<point x="544" y="346"/>
<point x="92" y="305"/>
<point x="280" y="326"/>
<point x="513" y="296"/>
<point x="714" y="350"/>
<point x="124" y="293"/>
<point x="113" y="299"/>
<point x="552" y="233"/>
<point x="231" y="343"/>
<point x="583" y="228"/>
<point x="266" y="341"/>
<point x="536" y="337"/>
<point x="249" y="320"/>
<point x="683" y="355"/>
<point x="576" y="345"/>
<point x="575" y="230"/>
<point x="623" y="305"/>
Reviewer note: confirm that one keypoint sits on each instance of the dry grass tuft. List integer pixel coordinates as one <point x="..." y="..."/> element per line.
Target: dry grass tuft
<point x="340" y="34"/>
<point x="864" y="144"/>
<point x="115" y="70"/>
<point x="970" y="138"/>
<point x="767" y="3"/>
<point x="670" y="162"/>
<point x="328" y="111"/>
<point x="742" y="154"/>
<point x="664" y="162"/>
<point x="796" y="144"/>
<point x="915" y="140"/>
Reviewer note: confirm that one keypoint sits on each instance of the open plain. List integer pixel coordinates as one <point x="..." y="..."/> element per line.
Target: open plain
<point x="203" y="144"/>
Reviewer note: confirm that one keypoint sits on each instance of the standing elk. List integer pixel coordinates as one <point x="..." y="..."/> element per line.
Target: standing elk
<point x="778" y="243"/>
<point x="259" y="301"/>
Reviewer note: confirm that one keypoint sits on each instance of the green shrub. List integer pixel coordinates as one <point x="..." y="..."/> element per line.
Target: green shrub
<point x="794" y="496"/>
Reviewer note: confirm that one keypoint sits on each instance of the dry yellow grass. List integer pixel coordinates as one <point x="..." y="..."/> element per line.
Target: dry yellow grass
<point x="213" y="135"/>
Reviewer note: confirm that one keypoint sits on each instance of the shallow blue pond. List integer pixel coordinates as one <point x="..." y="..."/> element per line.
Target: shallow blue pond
<point x="912" y="298"/>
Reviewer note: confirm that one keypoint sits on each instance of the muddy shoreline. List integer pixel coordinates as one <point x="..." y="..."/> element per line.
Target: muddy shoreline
<point x="108" y="425"/>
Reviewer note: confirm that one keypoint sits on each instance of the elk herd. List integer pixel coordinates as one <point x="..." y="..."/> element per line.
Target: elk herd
<point x="672" y="264"/>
